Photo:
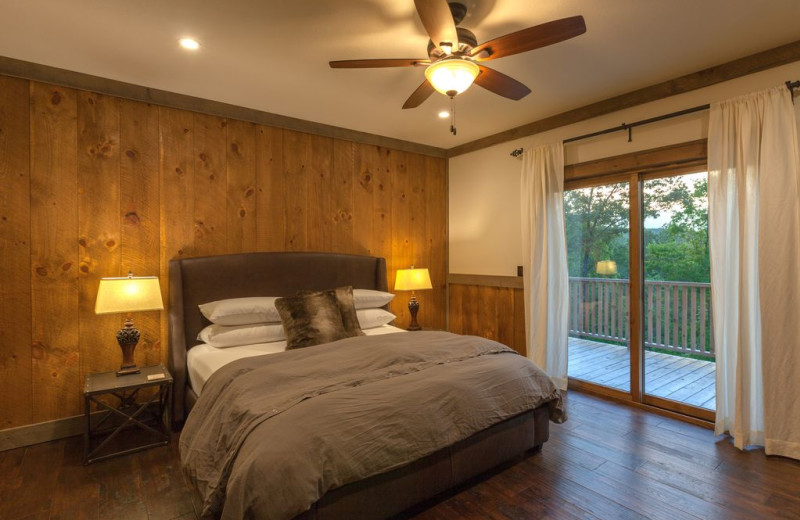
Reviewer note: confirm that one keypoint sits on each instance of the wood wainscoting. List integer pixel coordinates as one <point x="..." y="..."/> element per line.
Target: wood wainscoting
<point x="488" y="306"/>
<point x="93" y="185"/>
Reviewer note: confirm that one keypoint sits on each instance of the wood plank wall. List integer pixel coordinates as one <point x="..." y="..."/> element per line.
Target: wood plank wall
<point x="92" y="186"/>
<point x="496" y="313"/>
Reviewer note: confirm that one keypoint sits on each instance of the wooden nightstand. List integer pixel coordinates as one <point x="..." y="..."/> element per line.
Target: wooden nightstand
<point x="102" y="437"/>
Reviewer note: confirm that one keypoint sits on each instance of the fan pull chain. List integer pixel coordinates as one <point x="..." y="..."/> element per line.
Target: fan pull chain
<point x="453" y="115"/>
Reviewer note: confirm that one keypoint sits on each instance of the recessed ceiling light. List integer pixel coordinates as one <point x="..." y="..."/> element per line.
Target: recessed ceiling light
<point x="444" y="114"/>
<point x="189" y="43"/>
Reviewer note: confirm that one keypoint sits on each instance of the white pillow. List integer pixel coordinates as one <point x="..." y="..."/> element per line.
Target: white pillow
<point x="222" y="336"/>
<point x="371" y="318"/>
<point x="242" y="311"/>
<point x="369" y="299"/>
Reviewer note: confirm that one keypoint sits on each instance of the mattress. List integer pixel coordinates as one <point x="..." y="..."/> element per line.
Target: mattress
<point x="203" y="360"/>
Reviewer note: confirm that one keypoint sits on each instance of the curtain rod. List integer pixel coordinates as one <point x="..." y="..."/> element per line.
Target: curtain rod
<point x="791" y="85"/>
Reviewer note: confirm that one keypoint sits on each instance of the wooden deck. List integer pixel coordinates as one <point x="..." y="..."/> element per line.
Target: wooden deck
<point x="682" y="379"/>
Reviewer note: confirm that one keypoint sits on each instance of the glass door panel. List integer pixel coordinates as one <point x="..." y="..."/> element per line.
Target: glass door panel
<point x="597" y="228"/>
<point x="679" y="349"/>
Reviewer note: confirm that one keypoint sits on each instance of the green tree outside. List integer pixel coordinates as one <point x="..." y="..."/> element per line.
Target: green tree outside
<point x="596" y="221"/>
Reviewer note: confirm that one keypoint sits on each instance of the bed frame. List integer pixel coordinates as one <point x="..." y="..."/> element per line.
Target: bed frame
<point x="193" y="281"/>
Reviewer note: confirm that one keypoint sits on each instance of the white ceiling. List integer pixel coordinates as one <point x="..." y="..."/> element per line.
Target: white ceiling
<point x="273" y="55"/>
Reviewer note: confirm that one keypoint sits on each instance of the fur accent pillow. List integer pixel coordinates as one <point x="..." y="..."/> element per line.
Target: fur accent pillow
<point x="311" y="319"/>
<point x="344" y="297"/>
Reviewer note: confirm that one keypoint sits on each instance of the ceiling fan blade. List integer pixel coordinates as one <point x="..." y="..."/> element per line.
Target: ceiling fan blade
<point x="530" y="38"/>
<point x="438" y="21"/>
<point x="422" y="93"/>
<point x="501" y="84"/>
<point x="377" y="63"/>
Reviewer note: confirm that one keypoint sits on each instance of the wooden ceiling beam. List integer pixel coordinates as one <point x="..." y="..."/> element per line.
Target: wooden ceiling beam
<point x="768" y="59"/>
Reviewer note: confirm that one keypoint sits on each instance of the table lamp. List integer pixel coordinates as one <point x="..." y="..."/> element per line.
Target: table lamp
<point x="125" y="295"/>
<point x="413" y="280"/>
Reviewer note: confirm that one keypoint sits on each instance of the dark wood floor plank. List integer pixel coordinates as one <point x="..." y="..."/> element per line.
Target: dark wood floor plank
<point x="31" y="491"/>
<point x="77" y="492"/>
<point x="187" y="516"/>
<point x="705" y="484"/>
<point x="121" y="495"/>
<point x="649" y="488"/>
<point x="163" y="484"/>
<point x="770" y="477"/>
<point x="10" y="467"/>
<point x="625" y="503"/>
<point x="44" y="515"/>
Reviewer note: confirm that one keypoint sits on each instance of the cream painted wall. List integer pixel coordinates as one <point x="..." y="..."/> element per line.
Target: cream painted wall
<point x="484" y="185"/>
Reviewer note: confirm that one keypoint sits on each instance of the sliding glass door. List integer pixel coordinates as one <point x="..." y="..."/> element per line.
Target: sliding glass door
<point x="640" y="297"/>
<point x="679" y="347"/>
<point x="597" y="225"/>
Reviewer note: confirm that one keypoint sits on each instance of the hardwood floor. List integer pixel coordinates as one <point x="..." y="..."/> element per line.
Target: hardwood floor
<point x="607" y="461"/>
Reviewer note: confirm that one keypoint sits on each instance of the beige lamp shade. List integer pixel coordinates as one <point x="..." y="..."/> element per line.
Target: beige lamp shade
<point x="606" y="267"/>
<point x="128" y="294"/>
<point x="412" y="280"/>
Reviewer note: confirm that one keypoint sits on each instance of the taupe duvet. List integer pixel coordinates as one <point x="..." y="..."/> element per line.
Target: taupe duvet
<point x="271" y="434"/>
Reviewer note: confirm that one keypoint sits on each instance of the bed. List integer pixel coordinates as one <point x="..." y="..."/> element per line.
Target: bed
<point x="196" y="281"/>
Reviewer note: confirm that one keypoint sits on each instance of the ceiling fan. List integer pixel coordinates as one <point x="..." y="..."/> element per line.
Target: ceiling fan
<point x="454" y="56"/>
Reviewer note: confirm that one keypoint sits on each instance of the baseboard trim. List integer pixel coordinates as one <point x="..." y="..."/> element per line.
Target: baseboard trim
<point x="42" y="432"/>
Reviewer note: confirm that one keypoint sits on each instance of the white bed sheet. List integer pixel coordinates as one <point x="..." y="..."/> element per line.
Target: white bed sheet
<point x="203" y="360"/>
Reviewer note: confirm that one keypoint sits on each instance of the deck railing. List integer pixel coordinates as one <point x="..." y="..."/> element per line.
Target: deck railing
<point x="677" y="315"/>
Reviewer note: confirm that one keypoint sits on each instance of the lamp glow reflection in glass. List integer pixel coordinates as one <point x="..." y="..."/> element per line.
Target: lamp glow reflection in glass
<point x="606" y="267"/>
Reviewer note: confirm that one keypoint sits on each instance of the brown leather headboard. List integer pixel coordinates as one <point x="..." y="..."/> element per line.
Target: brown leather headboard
<point x="193" y="281"/>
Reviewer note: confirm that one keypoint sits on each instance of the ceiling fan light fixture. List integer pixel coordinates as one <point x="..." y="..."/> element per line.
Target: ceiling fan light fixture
<point x="452" y="75"/>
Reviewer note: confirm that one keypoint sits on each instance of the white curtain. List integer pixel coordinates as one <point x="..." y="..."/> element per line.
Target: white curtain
<point x="544" y="253"/>
<point x="754" y="231"/>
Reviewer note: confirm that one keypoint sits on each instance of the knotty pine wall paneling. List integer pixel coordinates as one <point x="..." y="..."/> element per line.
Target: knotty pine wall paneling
<point x="176" y="207"/>
<point x="95" y="186"/>
<point x="297" y="164"/>
<point x="139" y="214"/>
<point x="16" y="403"/>
<point x="342" y="177"/>
<point x="210" y="215"/>
<point x="55" y="288"/>
<point x="98" y="224"/>
<point x="418" y="215"/>
<point x="435" y="232"/>
<point x="402" y="254"/>
<point x="270" y="182"/>
<point x="496" y="313"/>
<point x="241" y="231"/>
<point x="320" y="203"/>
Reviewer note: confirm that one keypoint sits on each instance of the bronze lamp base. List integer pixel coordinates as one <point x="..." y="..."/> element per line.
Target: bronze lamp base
<point x="127" y="338"/>
<point x="413" y="308"/>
